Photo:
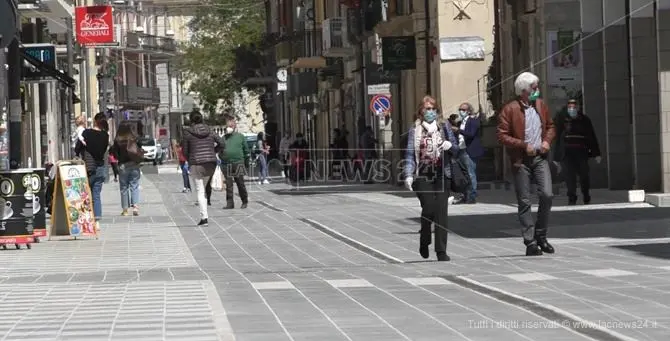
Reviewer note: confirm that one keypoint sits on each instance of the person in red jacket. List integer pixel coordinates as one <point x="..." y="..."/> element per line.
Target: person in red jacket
<point x="183" y="165"/>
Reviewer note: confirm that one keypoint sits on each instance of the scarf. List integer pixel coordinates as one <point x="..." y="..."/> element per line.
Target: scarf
<point x="434" y="150"/>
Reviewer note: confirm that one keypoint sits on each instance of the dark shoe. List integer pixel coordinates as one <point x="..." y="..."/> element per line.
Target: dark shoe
<point x="228" y="207"/>
<point x="587" y="200"/>
<point x="472" y="201"/>
<point x="442" y="257"/>
<point x="209" y="203"/>
<point x="545" y="246"/>
<point x="203" y="222"/>
<point x="423" y="250"/>
<point x="244" y="205"/>
<point x="533" y="249"/>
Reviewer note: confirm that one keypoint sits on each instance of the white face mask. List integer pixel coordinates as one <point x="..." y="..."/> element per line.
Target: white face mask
<point x="229" y="130"/>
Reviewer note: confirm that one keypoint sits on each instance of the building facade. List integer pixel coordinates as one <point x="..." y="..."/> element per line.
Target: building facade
<point x="334" y="51"/>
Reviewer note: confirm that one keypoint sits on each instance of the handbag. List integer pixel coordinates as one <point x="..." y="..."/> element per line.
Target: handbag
<point x="217" y="180"/>
<point x="460" y="179"/>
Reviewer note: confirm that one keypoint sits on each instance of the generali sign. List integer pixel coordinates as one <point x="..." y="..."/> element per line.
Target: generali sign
<point x="94" y="25"/>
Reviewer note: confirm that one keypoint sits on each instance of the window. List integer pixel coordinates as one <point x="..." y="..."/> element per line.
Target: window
<point x="147" y="142"/>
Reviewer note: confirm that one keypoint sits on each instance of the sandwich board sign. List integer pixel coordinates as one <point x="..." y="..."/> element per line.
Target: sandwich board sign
<point x="72" y="206"/>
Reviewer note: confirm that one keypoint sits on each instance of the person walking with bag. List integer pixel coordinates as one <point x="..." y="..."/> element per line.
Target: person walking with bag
<point x="128" y="151"/>
<point x="183" y="166"/>
<point x="200" y="146"/>
<point x="263" y="150"/>
<point x="431" y="145"/>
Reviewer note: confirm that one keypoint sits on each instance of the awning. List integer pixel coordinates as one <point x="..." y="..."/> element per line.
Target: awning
<point x="52" y="72"/>
<point x="309" y="63"/>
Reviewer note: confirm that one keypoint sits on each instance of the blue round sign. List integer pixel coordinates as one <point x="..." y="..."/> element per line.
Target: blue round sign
<point x="380" y="105"/>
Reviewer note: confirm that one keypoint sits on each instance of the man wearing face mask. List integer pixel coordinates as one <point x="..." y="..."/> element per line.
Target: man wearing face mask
<point x="470" y="144"/>
<point x="526" y="129"/>
<point x="578" y="143"/>
<point x="234" y="162"/>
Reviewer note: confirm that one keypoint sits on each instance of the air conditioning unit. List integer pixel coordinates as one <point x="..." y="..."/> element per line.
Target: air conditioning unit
<point x="335" y="41"/>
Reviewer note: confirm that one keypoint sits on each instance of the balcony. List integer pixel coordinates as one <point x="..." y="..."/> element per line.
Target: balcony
<point x="335" y="38"/>
<point x="306" y="52"/>
<point x="52" y="10"/>
<point x="396" y="18"/>
<point x="147" y="43"/>
<point x="138" y="95"/>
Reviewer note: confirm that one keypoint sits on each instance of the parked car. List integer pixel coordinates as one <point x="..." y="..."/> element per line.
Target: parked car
<point x="153" y="152"/>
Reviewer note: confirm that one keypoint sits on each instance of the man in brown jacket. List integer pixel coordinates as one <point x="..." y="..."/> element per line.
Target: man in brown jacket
<point x="526" y="129"/>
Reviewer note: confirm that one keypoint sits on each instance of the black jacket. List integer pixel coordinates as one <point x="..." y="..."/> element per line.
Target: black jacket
<point x="576" y="136"/>
<point x="94" y="152"/>
<point x="200" y="144"/>
<point x="120" y="150"/>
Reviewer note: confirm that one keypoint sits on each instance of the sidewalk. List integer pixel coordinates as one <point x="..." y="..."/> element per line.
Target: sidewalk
<point x="138" y="281"/>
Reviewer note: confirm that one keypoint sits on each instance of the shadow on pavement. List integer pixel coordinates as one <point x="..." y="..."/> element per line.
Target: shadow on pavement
<point x="659" y="250"/>
<point x="630" y="223"/>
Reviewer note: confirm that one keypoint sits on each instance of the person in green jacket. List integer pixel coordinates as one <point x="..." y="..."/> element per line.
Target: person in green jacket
<point x="234" y="162"/>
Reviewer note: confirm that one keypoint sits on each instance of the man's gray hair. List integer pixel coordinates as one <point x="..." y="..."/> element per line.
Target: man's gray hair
<point x="524" y="82"/>
<point x="471" y="109"/>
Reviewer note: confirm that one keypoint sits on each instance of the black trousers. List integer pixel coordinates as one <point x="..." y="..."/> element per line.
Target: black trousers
<point x="533" y="170"/>
<point x="208" y="190"/>
<point x="115" y="169"/>
<point x="433" y="194"/>
<point x="577" y="165"/>
<point x="235" y="173"/>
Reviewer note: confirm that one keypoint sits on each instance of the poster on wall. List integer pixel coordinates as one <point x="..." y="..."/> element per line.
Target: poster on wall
<point x="564" y="62"/>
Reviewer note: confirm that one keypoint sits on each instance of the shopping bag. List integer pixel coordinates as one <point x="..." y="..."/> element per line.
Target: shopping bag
<point x="217" y="180"/>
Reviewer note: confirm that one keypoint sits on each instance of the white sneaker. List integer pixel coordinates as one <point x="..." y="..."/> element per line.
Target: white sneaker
<point x="266" y="182"/>
<point x="450" y="200"/>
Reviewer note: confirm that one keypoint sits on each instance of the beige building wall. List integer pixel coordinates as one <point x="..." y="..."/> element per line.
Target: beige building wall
<point x="458" y="79"/>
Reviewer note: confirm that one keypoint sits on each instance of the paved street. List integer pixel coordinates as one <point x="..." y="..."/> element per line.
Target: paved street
<point x="341" y="263"/>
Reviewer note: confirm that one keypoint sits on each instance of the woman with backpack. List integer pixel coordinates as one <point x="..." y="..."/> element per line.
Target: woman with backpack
<point x="92" y="148"/>
<point x="129" y="153"/>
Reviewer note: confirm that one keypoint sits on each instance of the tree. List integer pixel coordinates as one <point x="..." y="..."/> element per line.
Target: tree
<point x="208" y="61"/>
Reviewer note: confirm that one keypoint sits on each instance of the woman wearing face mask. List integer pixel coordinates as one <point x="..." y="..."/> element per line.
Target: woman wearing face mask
<point x="431" y="145"/>
<point x="577" y="143"/>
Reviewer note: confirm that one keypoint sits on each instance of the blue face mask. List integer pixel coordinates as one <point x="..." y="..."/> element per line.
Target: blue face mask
<point x="463" y="113"/>
<point x="572" y="112"/>
<point x="429" y="116"/>
<point x="534" y="95"/>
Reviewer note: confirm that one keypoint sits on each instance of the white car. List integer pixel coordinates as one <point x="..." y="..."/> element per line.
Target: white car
<point x="153" y="152"/>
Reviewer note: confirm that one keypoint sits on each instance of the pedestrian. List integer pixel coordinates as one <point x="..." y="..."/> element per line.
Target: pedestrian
<point x="80" y="126"/>
<point x="200" y="145"/>
<point x="235" y="160"/>
<point x="526" y="129"/>
<point x="576" y="144"/>
<point x="368" y="144"/>
<point x="183" y="165"/>
<point x="263" y="150"/>
<point x="284" y="145"/>
<point x="127" y="149"/>
<point x="470" y="145"/>
<point x="114" y="162"/>
<point x="431" y="145"/>
<point x="300" y="166"/>
<point x="92" y="148"/>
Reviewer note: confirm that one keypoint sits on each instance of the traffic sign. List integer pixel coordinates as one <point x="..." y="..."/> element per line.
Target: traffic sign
<point x="380" y="105"/>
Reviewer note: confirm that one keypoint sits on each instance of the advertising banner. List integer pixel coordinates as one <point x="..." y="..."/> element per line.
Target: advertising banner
<point x="94" y="25"/>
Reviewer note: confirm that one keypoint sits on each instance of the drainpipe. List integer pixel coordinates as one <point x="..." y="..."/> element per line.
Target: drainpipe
<point x="426" y="5"/>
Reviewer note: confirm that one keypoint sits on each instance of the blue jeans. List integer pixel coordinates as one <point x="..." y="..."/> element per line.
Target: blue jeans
<point x="129" y="181"/>
<point x="95" y="180"/>
<point x="184" y="175"/>
<point x="263" y="170"/>
<point x="472" y="172"/>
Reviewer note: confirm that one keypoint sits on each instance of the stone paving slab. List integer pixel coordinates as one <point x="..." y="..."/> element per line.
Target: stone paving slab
<point x="279" y="278"/>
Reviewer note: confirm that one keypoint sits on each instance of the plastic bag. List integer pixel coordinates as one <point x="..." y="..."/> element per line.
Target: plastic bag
<point x="217" y="180"/>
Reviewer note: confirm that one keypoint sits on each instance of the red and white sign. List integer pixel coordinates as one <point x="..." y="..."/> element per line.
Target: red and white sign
<point x="94" y="25"/>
